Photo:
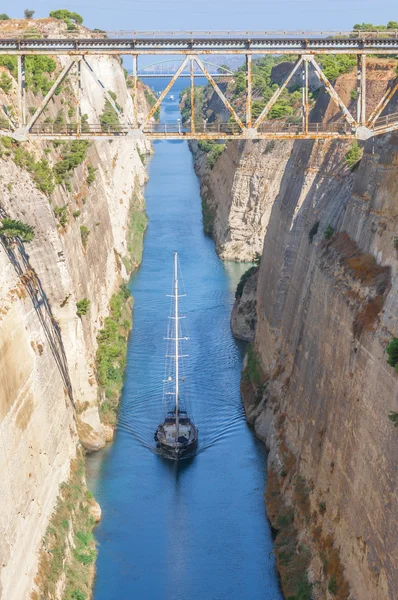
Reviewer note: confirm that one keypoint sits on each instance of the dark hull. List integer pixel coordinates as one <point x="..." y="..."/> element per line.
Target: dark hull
<point x="177" y="452"/>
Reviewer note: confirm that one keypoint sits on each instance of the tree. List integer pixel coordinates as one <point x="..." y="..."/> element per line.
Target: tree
<point x="28" y="13"/>
<point x="4" y="17"/>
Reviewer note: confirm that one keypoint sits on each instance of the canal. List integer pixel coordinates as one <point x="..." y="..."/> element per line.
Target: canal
<point x="196" y="530"/>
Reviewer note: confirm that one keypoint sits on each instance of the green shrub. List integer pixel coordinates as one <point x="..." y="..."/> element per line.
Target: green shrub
<point x="70" y="18"/>
<point x="112" y="351"/>
<point x="10" y="228"/>
<point x="91" y="174"/>
<point x="4" y="17"/>
<point x="151" y="99"/>
<point x="28" y="13"/>
<point x="37" y="67"/>
<point x="5" y="82"/>
<point x="395" y="242"/>
<point x="76" y="214"/>
<point x="393" y="416"/>
<point x="332" y="585"/>
<point x="84" y="233"/>
<point x="354" y="94"/>
<point x="10" y="62"/>
<point x="78" y="595"/>
<point x="242" y="281"/>
<point x="7" y="142"/>
<point x="303" y="589"/>
<point x="322" y="507"/>
<point x="73" y="155"/>
<point x="334" y="65"/>
<point x="39" y="169"/>
<point x="214" y="154"/>
<point x="109" y="118"/>
<point x="313" y="231"/>
<point x="353" y="156"/>
<point x="392" y="351"/>
<point x="82" y="307"/>
<point x="329" y="231"/>
<point x="61" y="212"/>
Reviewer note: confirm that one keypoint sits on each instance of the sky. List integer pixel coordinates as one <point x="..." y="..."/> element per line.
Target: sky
<point x="218" y="15"/>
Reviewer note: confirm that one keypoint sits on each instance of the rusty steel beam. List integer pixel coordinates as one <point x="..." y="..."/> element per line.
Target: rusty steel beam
<point x="224" y="100"/>
<point x="50" y="93"/>
<point x="106" y="92"/>
<point x="192" y="95"/>
<point x="204" y="52"/>
<point x="164" y="93"/>
<point x="332" y="92"/>
<point x="249" y="92"/>
<point x="276" y="95"/>
<point x="7" y="116"/>
<point x="135" y="90"/>
<point x="382" y="104"/>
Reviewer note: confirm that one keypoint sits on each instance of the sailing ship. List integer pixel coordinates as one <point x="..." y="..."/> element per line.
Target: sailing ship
<point x="177" y="436"/>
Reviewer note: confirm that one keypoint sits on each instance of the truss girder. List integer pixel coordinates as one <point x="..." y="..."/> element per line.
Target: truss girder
<point x="359" y="126"/>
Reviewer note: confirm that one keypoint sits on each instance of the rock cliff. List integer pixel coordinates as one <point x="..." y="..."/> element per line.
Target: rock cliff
<point x="49" y="394"/>
<point x="326" y="310"/>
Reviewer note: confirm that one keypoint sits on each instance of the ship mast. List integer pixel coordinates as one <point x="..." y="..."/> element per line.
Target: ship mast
<point x="176" y="339"/>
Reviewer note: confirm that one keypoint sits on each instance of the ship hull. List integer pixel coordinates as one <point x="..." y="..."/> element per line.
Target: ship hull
<point x="174" y="450"/>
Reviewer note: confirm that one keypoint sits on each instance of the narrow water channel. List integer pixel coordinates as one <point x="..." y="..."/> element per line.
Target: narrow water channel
<point x="195" y="530"/>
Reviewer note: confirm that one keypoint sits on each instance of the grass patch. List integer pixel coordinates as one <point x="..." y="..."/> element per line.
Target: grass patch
<point x="112" y="352"/>
<point x="71" y="517"/>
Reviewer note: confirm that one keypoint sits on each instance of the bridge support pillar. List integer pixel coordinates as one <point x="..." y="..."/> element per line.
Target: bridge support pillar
<point x="192" y="95"/>
<point x="249" y="79"/>
<point x="135" y="92"/>
<point x="361" y="102"/>
<point x="21" y="90"/>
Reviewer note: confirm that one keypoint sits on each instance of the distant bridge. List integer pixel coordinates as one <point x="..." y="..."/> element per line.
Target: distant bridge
<point x="193" y="47"/>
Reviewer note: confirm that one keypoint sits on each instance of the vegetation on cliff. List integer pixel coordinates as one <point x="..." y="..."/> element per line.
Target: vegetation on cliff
<point x="392" y="351"/>
<point x="112" y="352"/>
<point x="213" y="150"/>
<point x="10" y="228"/>
<point x="68" y="548"/>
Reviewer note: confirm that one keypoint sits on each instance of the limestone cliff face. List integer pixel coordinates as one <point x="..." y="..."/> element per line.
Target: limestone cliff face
<point x="239" y="191"/>
<point x="238" y="194"/>
<point x="48" y="389"/>
<point x="326" y="310"/>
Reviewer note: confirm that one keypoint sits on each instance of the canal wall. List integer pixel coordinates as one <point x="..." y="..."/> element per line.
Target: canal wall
<point x="82" y="199"/>
<point x="316" y="384"/>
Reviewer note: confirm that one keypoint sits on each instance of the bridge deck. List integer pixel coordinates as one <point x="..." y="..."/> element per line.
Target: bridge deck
<point x="197" y="45"/>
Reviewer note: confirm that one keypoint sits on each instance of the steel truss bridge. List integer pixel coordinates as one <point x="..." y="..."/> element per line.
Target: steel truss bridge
<point x="193" y="50"/>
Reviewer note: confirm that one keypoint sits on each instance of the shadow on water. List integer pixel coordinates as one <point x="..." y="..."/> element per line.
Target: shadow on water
<point x="194" y="529"/>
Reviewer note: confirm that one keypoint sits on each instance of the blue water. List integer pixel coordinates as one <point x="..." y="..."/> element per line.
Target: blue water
<point x="197" y="529"/>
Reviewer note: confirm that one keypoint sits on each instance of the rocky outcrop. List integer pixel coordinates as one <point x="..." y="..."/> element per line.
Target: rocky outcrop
<point x="244" y="310"/>
<point x="326" y="309"/>
<point x="48" y="388"/>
